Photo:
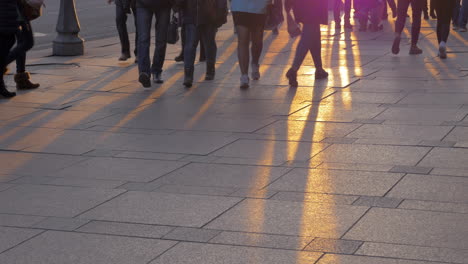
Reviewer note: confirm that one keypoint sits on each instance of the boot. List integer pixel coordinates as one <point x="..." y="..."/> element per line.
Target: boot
<point x="292" y="77"/>
<point x="4" y="92"/>
<point x="188" y="77"/>
<point x="23" y="82"/>
<point x="210" y="72"/>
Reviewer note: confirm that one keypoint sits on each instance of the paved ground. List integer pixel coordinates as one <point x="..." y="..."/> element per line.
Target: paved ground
<point x="367" y="167"/>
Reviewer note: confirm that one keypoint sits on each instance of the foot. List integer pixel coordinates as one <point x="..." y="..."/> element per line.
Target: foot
<point x="396" y="45"/>
<point x="157" y="78"/>
<point x="415" y="50"/>
<point x="442" y="50"/>
<point x="348" y="26"/>
<point x="275" y="31"/>
<point x="5" y="93"/>
<point x="144" y="79"/>
<point x="124" y="57"/>
<point x="292" y="77"/>
<point x="320" y="74"/>
<point x="188" y="77"/>
<point x="463" y="29"/>
<point x="255" y="71"/>
<point x="179" y="58"/>
<point x="244" y="81"/>
<point x="209" y="76"/>
<point x="23" y="82"/>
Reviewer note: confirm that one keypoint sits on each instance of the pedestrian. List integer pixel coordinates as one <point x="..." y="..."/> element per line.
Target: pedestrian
<point x="146" y="9"/>
<point x="201" y="20"/>
<point x="463" y="16"/>
<point x="426" y="10"/>
<point x="311" y="13"/>
<point x="347" y="13"/>
<point x="402" y="9"/>
<point x="24" y="42"/>
<point x="444" y="10"/>
<point x="8" y="28"/>
<point x="455" y="14"/>
<point x="393" y="7"/>
<point x="249" y="20"/>
<point x="122" y="9"/>
<point x="371" y="10"/>
<point x="432" y="9"/>
<point x="180" y="57"/>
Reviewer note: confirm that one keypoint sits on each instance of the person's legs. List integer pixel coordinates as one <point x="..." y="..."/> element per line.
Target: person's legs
<point x="144" y="21"/>
<point x="243" y="53"/>
<point x="180" y="57"/>
<point x="426" y="10"/>
<point x="190" y="50"/>
<point x="208" y="38"/>
<point x="455" y="14"/>
<point x="416" y="6"/>
<point x="432" y="9"/>
<point x="121" y="22"/>
<point x="463" y="17"/>
<point x="347" y="12"/>
<point x="402" y="9"/>
<point x="337" y="12"/>
<point x="135" y="51"/>
<point x="163" y="18"/>
<point x="393" y="7"/>
<point x="444" y="15"/>
<point x="6" y="43"/>
<point x="256" y="36"/>
<point x="315" y="46"/>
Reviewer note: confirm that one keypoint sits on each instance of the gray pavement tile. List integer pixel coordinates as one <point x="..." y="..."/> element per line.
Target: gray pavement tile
<point x="461" y="144"/>
<point x="149" y="155"/>
<point x="338" y="140"/>
<point x="349" y="259"/>
<point x="83" y="182"/>
<point x="125" y="229"/>
<point x="162" y="209"/>
<point x="198" y="158"/>
<point x="19" y="220"/>
<point x="254" y="193"/>
<point x="411" y="169"/>
<point x="431" y="143"/>
<point x="373" y="154"/>
<point x="388" y="141"/>
<point x="270" y="150"/>
<point x="56" y="201"/>
<point x="338" y="246"/>
<point x="458" y="134"/>
<point x="441" y="98"/>
<point x="135" y="170"/>
<point x="261" y="240"/>
<point x="400" y="132"/>
<point x="19" y="138"/>
<point x="222" y="175"/>
<point x="432" y="188"/>
<point x="263" y="107"/>
<point x="452" y="158"/>
<point x="140" y="186"/>
<point x="451" y="172"/>
<point x="248" y="161"/>
<point x="10" y="237"/>
<point x="102" y="153"/>
<point x="185" y="253"/>
<point x="64" y="247"/>
<point x="448" y="255"/>
<point x="364" y="97"/>
<point x="289" y="218"/>
<point x="201" y="190"/>
<point x="333" y="113"/>
<point x="354" y="167"/>
<point x="58" y="223"/>
<point x="5" y="186"/>
<point x="375" y="201"/>
<point x="33" y="180"/>
<point x="411" y="227"/>
<point x="368" y="121"/>
<point x="435" y="206"/>
<point x="9" y="113"/>
<point x="314" y="197"/>
<point x="336" y="182"/>
<point x="5" y="178"/>
<point x="422" y="114"/>
<point x="191" y="234"/>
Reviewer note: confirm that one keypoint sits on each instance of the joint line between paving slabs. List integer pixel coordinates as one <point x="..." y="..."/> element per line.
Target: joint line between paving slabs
<point x="448" y="133"/>
<point x="286" y="172"/>
<point x="219" y="215"/>
<point x="394" y="185"/>
<point x="163" y="252"/>
<point x="256" y="130"/>
<point x="40" y="233"/>
<point x="355" y="223"/>
<point x="425" y="155"/>
<point x="126" y="191"/>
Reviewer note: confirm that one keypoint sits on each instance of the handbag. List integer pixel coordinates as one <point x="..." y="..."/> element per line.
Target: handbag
<point x="173" y="30"/>
<point x="31" y="9"/>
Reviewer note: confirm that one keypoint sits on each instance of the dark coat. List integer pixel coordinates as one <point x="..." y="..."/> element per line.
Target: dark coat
<point x="154" y="4"/>
<point x="311" y="11"/>
<point x="8" y="16"/>
<point x="203" y="12"/>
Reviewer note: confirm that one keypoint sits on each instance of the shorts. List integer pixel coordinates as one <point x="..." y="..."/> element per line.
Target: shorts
<point x="249" y="20"/>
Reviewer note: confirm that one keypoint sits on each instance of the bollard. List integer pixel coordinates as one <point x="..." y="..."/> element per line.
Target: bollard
<point x="67" y="42"/>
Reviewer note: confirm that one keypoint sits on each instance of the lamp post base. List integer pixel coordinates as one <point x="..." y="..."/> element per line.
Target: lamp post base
<point x="68" y="45"/>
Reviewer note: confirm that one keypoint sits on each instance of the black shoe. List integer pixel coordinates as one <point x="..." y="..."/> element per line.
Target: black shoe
<point x="210" y="73"/>
<point x="5" y="93"/>
<point x="157" y="78"/>
<point x="188" y="77"/>
<point x="415" y="50"/>
<point x="179" y="58"/>
<point x="292" y="76"/>
<point x="124" y="57"/>
<point x="396" y="45"/>
<point x="144" y="79"/>
<point x="23" y="81"/>
<point x="320" y="74"/>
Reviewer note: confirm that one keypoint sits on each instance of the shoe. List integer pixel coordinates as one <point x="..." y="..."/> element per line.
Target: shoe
<point x="426" y="17"/>
<point x="463" y="29"/>
<point x="144" y="79"/>
<point x="396" y="45"/>
<point x="275" y="31"/>
<point x="320" y="74"/>
<point x="244" y="80"/>
<point x="23" y="83"/>
<point x="348" y="26"/>
<point x="179" y="58"/>
<point x="292" y="77"/>
<point x="188" y="77"/>
<point x="4" y="92"/>
<point x="124" y="57"/>
<point x="157" y="78"/>
<point x="255" y="71"/>
<point x="443" y="51"/>
<point x="210" y="73"/>
<point x="455" y="27"/>
<point x="415" y="50"/>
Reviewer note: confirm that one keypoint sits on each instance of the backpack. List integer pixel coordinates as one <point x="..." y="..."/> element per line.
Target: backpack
<point x="32" y="9"/>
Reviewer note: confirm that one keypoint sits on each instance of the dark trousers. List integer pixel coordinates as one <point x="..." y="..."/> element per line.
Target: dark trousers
<point x="205" y="33"/>
<point x="463" y="17"/>
<point x="444" y="9"/>
<point x="455" y="12"/>
<point x="310" y="42"/>
<point x="24" y="42"/>
<point x="402" y="9"/>
<point x="6" y="43"/>
<point x="337" y="11"/>
<point x="392" y="5"/>
<point x="121" y="22"/>
<point x="144" y="22"/>
<point x="202" y="46"/>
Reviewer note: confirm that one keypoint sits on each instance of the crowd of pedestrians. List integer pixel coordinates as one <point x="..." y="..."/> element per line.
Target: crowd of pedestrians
<point x="200" y="20"/>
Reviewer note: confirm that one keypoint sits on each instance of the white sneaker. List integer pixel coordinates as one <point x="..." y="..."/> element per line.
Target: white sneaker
<point x="442" y="50"/>
<point x="244" y="80"/>
<point x="255" y="71"/>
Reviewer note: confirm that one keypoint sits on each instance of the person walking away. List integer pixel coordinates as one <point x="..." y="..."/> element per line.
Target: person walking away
<point x="122" y="9"/>
<point x="311" y="13"/>
<point x="402" y="9"/>
<point x="455" y="14"/>
<point x="180" y="57"/>
<point x="249" y="20"/>
<point x="463" y="16"/>
<point x="201" y="21"/>
<point x="8" y="28"/>
<point x="432" y="9"/>
<point x="161" y="9"/>
<point x="24" y="42"/>
<point x="371" y="10"/>
<point x="347" y="13"/>
<point x="393" y="7"/>
<point x="426" y="10"/>
<point x="444" y="9"/>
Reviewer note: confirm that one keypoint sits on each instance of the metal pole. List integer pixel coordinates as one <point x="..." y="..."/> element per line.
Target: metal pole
<point x="67" y="42"/>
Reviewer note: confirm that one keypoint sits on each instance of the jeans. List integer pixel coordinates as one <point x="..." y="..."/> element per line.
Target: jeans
<point x="463" y="17"/>
<point x="337" y="11"/>
<point x="455" y="12"/>
<point x="444" y="10"/>
<point x="6" y="43"/>
<point x="402" y="9"/>
<point x="121" y="22"/>
<point x="206" y="33"/>
<point x="144" y="21"/>
<point x="310" y="42"/>
<point x="24" y="42"/>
